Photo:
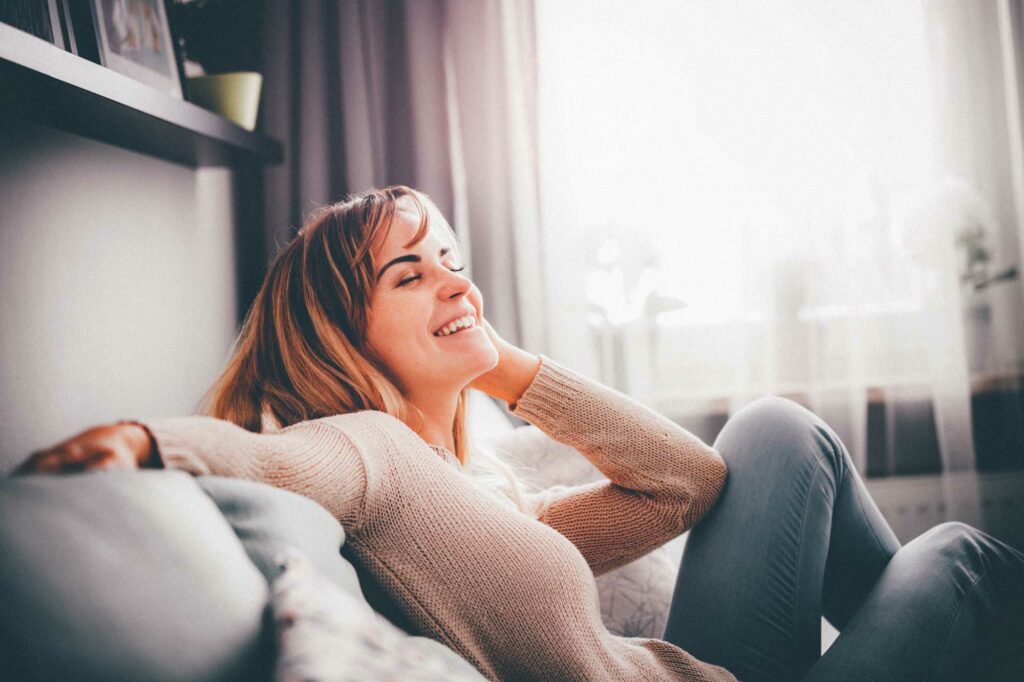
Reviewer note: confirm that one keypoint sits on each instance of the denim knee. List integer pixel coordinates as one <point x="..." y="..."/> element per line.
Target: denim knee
<point x="959" y="542"/>
<point x="989" y="577"/>
<point x="779" y="427"/>
<point x="952" y="532"/>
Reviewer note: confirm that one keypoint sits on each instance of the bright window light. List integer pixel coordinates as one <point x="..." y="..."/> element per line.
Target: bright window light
<point x="731" y="135"/>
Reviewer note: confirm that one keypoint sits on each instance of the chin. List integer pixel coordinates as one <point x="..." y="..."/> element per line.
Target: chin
<point x="492" y="350"/>
<point x="485" y="360"/>
<point x="467" y="364"/>
<point x="480" y="365"/>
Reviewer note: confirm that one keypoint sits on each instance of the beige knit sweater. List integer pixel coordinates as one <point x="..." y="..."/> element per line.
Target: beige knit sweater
<point x="435" y="551"/>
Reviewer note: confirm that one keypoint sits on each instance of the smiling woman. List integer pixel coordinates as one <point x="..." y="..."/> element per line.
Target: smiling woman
<point x="419" y="301"/>
<point x="346" y="321"/>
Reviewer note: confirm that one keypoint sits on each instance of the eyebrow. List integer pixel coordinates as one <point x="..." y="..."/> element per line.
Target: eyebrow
<point x="409" y="258"/>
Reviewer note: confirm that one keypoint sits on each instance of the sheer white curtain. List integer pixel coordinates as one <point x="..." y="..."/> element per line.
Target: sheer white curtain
<point x="746" y="198"/>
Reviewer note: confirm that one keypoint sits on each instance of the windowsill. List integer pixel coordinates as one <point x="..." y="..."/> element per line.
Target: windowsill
<point x="902" y="435"/>
<point x="718" y="405"/>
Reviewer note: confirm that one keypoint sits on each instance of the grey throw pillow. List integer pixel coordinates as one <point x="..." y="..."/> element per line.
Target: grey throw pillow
<point x="268" y="520"/>
<point x="125" y="576"/>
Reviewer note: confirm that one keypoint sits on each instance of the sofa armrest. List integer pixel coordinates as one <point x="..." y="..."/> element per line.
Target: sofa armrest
<point x="125" y="576"/>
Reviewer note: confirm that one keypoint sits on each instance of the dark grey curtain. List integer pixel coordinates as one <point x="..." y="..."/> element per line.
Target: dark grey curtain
<point x="436" y="94"/>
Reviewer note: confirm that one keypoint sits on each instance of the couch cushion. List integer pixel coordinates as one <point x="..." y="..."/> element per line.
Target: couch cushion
<point x="334" y="633"/>
<point x="270" y="520"/>
<point x="486" y="420"/>
<point x="124" y="576"/>
<point x="326" y="634"/>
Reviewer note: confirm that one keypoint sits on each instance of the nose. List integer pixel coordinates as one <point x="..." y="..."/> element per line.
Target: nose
<point x="454" y="285"/>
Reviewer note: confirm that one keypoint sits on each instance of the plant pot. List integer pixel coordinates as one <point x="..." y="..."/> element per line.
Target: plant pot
<point x="235" y="96"/>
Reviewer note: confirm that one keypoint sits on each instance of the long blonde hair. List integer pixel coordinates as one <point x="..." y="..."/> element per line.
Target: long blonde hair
<point x="302" y="351"/>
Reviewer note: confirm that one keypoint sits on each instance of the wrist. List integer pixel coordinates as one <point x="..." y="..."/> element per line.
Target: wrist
<point x="143" y="444"/>
<point x="519" y="368"/>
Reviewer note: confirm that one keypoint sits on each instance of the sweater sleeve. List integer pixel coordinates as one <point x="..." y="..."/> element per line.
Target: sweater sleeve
<point x="661" y="478"/>
<point x="318" y="459"/>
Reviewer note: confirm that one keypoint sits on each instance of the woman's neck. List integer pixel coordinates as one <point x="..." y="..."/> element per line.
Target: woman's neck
<point x="438" y="420"/>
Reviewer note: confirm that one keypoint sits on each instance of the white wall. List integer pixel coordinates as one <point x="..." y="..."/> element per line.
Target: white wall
<point x="117" y="289"/>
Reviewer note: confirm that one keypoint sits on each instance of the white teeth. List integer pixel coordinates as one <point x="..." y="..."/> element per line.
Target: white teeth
<point x="463" y="322"/>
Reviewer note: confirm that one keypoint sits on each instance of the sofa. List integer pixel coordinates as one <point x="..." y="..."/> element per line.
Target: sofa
<point x="158" y="575"/>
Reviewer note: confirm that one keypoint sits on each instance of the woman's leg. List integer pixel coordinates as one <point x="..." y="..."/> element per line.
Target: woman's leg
<point x="793" y="522"/>
<point x="949" y="606"/>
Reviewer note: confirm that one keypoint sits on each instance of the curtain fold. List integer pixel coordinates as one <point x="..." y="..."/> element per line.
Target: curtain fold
<point x="439" y="95"/>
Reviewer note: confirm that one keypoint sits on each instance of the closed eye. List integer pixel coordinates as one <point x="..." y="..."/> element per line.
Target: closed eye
<point x="413" y="278"/>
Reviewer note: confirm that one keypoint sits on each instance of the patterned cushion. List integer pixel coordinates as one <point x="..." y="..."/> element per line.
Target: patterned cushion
<point x="327" y="633"/>
<point x="635" y="598"/>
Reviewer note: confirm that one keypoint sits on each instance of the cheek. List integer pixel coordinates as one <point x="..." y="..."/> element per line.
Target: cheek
<point x="379" y="333"/>
<point x="393" y="331"/>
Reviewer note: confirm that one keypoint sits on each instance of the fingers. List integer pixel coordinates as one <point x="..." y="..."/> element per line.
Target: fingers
<point x="48" y="461"/>
<point x="64" y="457"/>
<point x="73" y="458"/>
<point x="101" y="447"/>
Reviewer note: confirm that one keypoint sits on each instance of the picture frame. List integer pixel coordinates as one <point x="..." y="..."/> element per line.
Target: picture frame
<point x="67" y="24"/>
<point x="41" y="18"/>
<point x="133" y="37"/>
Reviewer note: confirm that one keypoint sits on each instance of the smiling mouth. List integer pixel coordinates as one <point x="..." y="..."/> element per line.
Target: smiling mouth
<point x="455" y="333"/>
<point x="467" y="322"/>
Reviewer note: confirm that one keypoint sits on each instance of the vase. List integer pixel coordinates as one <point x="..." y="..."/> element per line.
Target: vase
<point x="235" y="96"/>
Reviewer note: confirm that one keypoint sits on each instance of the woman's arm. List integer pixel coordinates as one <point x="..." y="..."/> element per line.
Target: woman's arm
<point x="317" y="459"/>
<point x="662" y="479"/>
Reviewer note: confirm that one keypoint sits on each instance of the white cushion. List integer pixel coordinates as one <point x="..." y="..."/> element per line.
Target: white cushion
<point x="327" y="633"/>
<point x="486" y="419"/>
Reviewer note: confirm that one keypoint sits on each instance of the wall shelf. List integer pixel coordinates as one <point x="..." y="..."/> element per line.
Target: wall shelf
<point x="48" y="85"/>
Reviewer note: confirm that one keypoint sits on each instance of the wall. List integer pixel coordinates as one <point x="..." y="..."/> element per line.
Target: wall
<point x="117" y="285"/>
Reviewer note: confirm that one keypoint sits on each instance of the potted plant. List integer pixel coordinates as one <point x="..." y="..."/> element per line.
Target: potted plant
<point x="977" y="277"/>
<point x="971" y="240"/>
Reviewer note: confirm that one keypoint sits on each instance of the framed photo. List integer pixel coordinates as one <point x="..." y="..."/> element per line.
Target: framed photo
<point x="134" y="38"/>
<point x="41" y="18"/>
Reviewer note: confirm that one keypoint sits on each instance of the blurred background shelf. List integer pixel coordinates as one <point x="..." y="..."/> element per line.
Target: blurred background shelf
<point x="50" y="86"/>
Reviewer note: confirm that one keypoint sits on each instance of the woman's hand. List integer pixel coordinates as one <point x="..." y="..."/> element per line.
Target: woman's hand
<point x="515" y="370"/>
<point x="115" y="446"/>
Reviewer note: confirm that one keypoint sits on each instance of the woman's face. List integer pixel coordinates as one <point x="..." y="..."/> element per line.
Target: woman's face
<point x="417" y="293"/>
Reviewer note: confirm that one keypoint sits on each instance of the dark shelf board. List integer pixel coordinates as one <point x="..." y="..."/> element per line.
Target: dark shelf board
<point x="47" y="85"/>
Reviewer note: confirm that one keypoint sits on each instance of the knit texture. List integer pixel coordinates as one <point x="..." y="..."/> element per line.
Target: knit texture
<point x="443" y="557"/>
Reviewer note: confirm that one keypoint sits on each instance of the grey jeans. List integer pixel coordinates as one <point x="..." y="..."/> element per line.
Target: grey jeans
<point x="795" y="535"/>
